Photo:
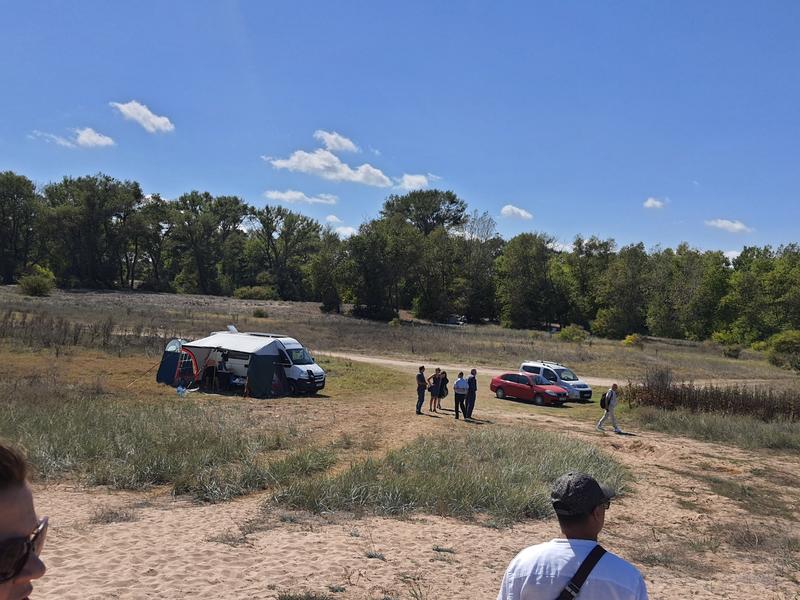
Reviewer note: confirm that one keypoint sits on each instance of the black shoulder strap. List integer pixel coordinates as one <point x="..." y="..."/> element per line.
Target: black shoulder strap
<point x="574" y="586"/>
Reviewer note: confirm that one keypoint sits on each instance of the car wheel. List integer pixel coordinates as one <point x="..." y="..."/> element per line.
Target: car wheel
<point x="500" y="393"/>
<point x="538" y="400"/>
<point x="292" y="389"/>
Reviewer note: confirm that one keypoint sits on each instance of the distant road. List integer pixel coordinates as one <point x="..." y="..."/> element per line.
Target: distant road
<point x="413" y="366"/>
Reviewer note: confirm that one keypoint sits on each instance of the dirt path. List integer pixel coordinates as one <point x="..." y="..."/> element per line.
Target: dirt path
<point x="412" y="366"/>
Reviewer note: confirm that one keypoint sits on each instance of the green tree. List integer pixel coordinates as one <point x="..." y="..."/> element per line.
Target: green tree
<point x="476" y="248"/>
<point x="19" y="207"/>
<point x="325" y="271"/>
<point x="622" y="292"/>
<point x="427" y="209"/>
<point x="524" y="288"/>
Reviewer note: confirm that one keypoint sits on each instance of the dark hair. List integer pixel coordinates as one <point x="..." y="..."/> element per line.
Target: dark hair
<point x="13" y="468"/>
<point x="422" y="368"/>
<point x="572" y="520"/>
<point x="461" y="373"/>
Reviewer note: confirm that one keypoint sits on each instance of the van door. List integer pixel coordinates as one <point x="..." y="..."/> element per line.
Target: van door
<point x="550" y="375"/>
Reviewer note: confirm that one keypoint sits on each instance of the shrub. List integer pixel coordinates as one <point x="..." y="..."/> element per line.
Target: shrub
<point x="260" y="313"/>
<point x="508" y="476"/>
<point x="730" y="342"/>
<point x="784" y="349"/>
<point x="634" y="340"/>
<point x="573" y="333"/>
<point x="255" y="292"/>
<point x="36" y="285"/>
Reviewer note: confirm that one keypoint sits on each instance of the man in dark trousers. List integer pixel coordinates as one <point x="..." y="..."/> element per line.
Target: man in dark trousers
<point x="421" y="387"/>
<point x="550" y="571"/>
<point x="472" y="390"/>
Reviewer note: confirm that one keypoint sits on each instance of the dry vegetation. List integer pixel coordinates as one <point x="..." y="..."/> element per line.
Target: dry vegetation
<point x="701" y="520"/>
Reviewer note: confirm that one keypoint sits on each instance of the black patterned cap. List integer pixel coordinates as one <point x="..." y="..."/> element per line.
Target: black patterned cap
<point x="576" y="494"/>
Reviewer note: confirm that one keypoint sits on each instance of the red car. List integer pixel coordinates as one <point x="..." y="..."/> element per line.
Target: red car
<point x="528" y="386"/>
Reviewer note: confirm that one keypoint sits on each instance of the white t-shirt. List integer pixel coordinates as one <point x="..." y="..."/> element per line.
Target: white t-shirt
<point x="540" y="573"/>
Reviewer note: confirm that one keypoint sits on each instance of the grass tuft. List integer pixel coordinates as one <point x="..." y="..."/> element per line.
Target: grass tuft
<point x="508" y="477"/>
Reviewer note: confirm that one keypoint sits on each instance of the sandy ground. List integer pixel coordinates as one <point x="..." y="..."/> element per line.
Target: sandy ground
<point x="672" y="525"/>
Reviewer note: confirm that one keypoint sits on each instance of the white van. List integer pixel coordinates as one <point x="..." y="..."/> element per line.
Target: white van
<point x="561" y="376"/>
<point x="267" y="363"/>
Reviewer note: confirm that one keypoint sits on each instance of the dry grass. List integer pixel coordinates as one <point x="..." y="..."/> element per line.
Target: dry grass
<point x="142" y="322"/>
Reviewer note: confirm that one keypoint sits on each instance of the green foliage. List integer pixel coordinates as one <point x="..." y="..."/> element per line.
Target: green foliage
<point x="20" y="208"/>
<point x="427" y="210"/>
<point x="573" y="333"/>
<point x="634" y="340"/>
<point x="255" y="292"/>
<point x="524" y="289"/>
<point x="784" y="349"/>
<point x="36" y="285"/>
<point x="508" y="476"/>
<point x="260" y="313"/>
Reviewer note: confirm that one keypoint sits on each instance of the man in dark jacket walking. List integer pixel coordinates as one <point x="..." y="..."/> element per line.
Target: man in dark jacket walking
<point x="472" y="390"/>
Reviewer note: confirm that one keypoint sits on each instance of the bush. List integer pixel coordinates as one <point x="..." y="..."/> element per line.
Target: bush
<point x="508" y="476"/>
<point x="730" y="342"/>
<point x="573" y="333"/>
<point x="260" y="313"/>
<point x="634" y="340"/>
<point x="784" y="349"/>
<point x="35" y="285"/>
<point x="255" y="292"/>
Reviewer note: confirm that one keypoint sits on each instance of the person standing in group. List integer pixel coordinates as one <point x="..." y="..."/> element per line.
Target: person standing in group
<point x="472" y="391"/>
<point x="460" y="388"/>
<point x="611" y="405"/>
<point x="443" y="381"/>
<point x="433" y="388"/>
<point x="576" y="565"/>
<point x="421" y="387"/>
<point x="22" y="533"/>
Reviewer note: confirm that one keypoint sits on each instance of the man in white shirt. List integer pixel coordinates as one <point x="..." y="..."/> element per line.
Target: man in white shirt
<point x="542" y="572"/>
<point x="611" y="405"/>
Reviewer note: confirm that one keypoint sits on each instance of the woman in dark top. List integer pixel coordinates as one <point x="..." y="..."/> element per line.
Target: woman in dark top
<point x="433" y="388"/>
<point x="443" y="381"/>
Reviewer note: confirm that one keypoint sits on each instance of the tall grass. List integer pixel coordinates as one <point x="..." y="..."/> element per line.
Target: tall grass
<point x="506" y="474"/>
<point x="657" y="389"/>
<point x="210" y="451"/>
<point x="738" y="430"/>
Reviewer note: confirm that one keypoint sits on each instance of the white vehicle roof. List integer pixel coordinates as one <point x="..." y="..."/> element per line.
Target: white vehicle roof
<point x="249" y="342"/>
<point x="543" y="363"/>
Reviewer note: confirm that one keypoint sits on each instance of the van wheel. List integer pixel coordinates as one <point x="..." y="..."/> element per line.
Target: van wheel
<point x="500" y="393"/>
<point x="292" y="388"/>
<point x="538" y="400"/>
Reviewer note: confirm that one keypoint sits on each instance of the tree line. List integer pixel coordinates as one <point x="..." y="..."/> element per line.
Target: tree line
<point x="425" y="252"/>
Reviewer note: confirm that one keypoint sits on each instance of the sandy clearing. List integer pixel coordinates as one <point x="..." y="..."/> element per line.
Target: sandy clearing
<point x="672" y="526"/>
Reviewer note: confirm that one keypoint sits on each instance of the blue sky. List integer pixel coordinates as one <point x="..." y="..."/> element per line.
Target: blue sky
<point x="574" y="113"/>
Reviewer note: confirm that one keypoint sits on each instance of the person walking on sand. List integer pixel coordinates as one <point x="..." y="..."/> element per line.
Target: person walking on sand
<point x="575" y="565"/>
<point x="611" y="405"/>
<point x="472" y="391"/>
<point x="460" y="388"/>
<point x="443" y="381"/>
<point x="22" y="533"/>
<point x="433" y="388"/>
<point x="421" y="387"/>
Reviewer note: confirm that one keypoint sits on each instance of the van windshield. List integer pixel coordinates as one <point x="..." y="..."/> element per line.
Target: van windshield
<point x="300" y="356"/>
<point x="566" y="375"/>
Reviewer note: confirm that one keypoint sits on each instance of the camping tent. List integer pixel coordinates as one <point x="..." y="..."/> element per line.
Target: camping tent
<point x="256" y="356"/>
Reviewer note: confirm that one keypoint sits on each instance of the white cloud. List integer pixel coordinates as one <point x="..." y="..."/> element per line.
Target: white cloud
<point x="732" y="254"/>
<point x="50" y="138"/>
<point x="335" y="142"/>
<point x="345" y="232"/>
<point x="293" y="196"/>
<point x="509" y="210"/>
<point x="85" y="137"/>
<point x="730" y="226"/>
<point x="653" y="203"/>
<point x="89" y="138"/>
<point x="332" y="219"/>
<point x="561" y="247"/>
<point x="412" y="182"/>
<point x="135" y="111"/>
<point x="328" y="166"/>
